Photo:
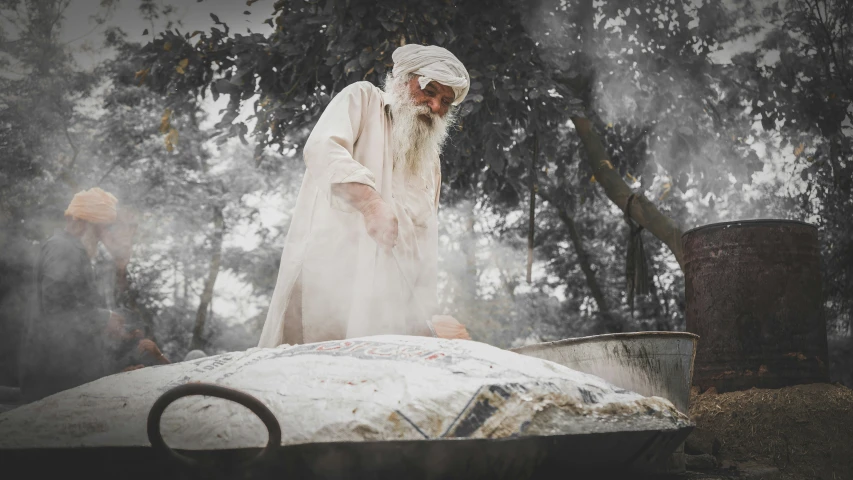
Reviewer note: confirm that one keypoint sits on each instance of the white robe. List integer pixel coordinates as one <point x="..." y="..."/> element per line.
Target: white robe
<point x="346" y="285"/>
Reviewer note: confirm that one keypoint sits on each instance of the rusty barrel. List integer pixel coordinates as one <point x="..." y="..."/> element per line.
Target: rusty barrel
<point x="753" y="292"/>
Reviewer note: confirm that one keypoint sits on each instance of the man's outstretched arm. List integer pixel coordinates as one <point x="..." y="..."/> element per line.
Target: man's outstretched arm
<point x="379" y="218"/>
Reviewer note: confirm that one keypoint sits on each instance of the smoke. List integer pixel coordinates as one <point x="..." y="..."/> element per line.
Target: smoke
<point x="482" y="268"/>
<point x="701" y="151"/>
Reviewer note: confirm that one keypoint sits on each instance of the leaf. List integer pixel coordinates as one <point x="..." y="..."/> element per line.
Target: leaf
<point x="171" y="140"/>
<point x="365" y="58"/>
<point x="165" y="120"/>
<point x="145" y="32"/>
<point x="182" y="65"/>
<point x="351" y="66"/>
<point x="167" y="46"/>
<point x="799" y="150"/>
<point x="496" y="162"/>
<point x="215" y="19"/>
<point x="439" y="37"/>
<point x="142" y="75"/>
<point x="667" y="187"/>
<point x="226" y="87"/>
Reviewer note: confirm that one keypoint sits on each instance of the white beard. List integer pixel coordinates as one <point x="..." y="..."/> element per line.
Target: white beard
<point x="416" y="144"/>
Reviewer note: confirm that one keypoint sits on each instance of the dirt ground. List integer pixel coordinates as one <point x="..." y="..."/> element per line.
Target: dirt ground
<point x="804" y="431"/>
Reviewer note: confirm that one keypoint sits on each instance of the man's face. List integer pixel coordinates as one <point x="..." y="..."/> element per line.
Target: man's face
<point x="437" y="97"/>
<point x="118" y="238"/>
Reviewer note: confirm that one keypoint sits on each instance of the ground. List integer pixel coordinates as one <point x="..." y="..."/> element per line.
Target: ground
<point x="793" y="433"/>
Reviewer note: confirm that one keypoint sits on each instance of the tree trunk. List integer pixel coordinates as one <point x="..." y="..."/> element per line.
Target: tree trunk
<point x="532" y="220"/>
<point x="469" y="249"/>
<point x="642" y="211"/>
<point x="612" y="322"/>
<point x="207" y="295"/>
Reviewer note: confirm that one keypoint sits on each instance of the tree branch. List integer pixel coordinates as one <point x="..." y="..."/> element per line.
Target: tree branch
<point x="612" y="322"/>
<point x="642" y="211"/>
<point x="531" y="226"/>
<point x="207" y="294"/>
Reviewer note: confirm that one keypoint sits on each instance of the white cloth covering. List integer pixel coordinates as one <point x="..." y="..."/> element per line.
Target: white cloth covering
<point x="432" y="64"/>
<point x="332" y="274"/>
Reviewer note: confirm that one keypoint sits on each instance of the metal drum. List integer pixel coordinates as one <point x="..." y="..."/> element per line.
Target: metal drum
<point x="753" y="292"/>
<point x="649" y="363"/>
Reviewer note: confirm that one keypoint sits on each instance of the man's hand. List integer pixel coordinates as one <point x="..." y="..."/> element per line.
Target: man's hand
<point x="448" y="327"/>
<point x="381" y="222"/>
<point x="148" y="347"/>
<point x="379" y="217"/>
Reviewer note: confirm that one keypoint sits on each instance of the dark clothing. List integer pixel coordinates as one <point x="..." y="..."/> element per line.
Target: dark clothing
<point x="65" y="343"/>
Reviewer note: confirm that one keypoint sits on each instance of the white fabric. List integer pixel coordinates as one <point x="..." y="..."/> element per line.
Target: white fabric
<point x="432" y="64"/>
<point x="367" y="389"/>
<point x="350" y="287"/>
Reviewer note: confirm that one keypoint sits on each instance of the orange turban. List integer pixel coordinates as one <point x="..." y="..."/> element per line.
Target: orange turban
<point x="93" y="205"/>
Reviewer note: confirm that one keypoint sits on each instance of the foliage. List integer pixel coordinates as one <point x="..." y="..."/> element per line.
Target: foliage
<point x="689" y="131"/>
<point x="799" y="82"/>
<point x="645" y="68"/>
<point x="39" y="89"/>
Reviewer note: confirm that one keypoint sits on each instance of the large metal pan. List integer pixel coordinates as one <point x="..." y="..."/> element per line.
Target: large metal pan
<point x="446" y="409"/>
<point x="633" y="453"/>
<point x="649" y="363"/>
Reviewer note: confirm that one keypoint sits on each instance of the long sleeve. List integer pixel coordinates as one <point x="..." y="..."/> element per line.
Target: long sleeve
<point x="67" y="284"/>
<point x="328" y="152"/>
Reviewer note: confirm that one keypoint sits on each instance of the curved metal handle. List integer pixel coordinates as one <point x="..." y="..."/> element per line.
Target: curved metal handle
<point x="210" y="390"/>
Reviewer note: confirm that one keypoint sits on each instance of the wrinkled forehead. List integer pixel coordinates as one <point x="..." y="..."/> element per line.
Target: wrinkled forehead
<point x="442" y="89"/>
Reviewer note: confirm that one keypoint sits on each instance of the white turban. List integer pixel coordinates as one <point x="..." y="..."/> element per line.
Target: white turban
<point x="432" y="63"/>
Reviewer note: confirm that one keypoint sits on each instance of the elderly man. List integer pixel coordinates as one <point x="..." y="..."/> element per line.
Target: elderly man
<point x="360" y="257"/>
<point x="72" y="339"/>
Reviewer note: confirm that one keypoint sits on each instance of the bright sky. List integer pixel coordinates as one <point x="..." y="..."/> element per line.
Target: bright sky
<point x="194" y="15"/>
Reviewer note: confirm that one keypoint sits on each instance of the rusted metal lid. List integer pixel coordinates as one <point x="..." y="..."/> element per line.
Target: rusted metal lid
<point x="737" y="223"/>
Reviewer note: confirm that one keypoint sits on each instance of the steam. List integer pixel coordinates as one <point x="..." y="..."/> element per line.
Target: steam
<point x="693" y="136"/>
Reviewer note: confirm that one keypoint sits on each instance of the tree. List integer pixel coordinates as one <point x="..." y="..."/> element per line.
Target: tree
<point x="526" y="84"/>
<point x="799" y="84"/>
<point x="39" y="87"/>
